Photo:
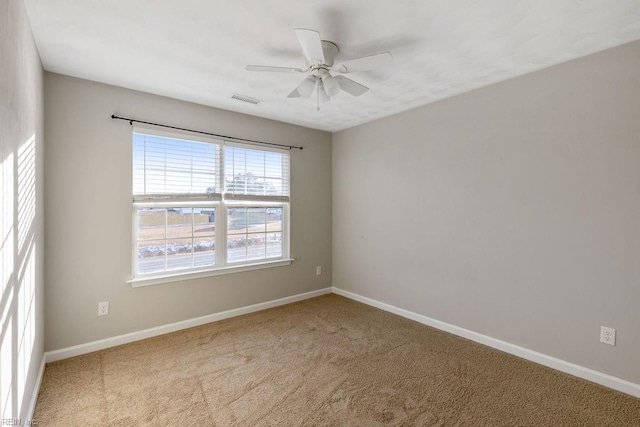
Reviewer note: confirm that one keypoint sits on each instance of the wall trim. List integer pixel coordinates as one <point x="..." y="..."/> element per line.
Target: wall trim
<point x="77" y="350"/>
<point x="549" y="361"/>
<point x="36" y="389"/>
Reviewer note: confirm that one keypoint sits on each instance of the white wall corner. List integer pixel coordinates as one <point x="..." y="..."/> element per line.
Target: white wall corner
<point x="36" y="389"/>
<point x="588" y="374"/>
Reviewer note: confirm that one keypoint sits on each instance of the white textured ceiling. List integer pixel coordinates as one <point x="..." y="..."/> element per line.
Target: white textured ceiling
<point x="196" y="50"/>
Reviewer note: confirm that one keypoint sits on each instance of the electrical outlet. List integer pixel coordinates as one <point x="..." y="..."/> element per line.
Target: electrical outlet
<point x="103" y="308"/>
<point x="318" y="270"/>
<point x="607" y="335"/>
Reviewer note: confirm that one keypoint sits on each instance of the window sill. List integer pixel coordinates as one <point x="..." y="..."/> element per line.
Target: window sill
<point x="168" y="278"/>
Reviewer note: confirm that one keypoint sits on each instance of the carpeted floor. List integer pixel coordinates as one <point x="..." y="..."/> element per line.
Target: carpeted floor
<point x="323" y="361"/>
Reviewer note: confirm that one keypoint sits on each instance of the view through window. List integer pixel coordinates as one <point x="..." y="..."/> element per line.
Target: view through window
<point x="204" y="204"/>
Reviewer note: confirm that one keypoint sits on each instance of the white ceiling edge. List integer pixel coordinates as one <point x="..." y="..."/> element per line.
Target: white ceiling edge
<point x="440" y="50"/>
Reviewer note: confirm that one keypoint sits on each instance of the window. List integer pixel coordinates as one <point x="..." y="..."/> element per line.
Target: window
<point x="204" y="205"/>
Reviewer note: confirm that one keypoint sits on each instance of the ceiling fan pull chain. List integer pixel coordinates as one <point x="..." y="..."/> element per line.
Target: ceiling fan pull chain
<point x="318" y="97"/>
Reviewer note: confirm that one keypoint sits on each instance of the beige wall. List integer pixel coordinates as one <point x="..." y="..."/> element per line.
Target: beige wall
<point x="512" y="210"/>
<point x="88" y="201"/>
<point x="21" y="211"/>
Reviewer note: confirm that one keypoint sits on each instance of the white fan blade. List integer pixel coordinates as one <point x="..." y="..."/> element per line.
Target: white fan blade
<point x="273" y="69"/>
<point x="311" y="45"/>
<point x="351" y="87"/>
<point x="365" y="63"/>
<point x="294" y="94"/>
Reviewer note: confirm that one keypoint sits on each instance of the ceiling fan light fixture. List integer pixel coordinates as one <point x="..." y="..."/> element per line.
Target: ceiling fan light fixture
<point x="305" y="89"/>
<point x="322" y="93"/>
<point x="331" y="85"/>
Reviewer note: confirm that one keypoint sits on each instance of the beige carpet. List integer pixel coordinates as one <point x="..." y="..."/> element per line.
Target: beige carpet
<point x="324" y="361"/>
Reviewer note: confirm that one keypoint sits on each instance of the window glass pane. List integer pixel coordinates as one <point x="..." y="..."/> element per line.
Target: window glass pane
<point x="204" y="251"/>
<point x="236" y="220"/>
<point x="256" y="220"/>
<point x="168" y="247"/>
<point x="274" y="245"/>
<point x="274" y="219"/>
<point x="151" y="223"/>
<point x="179" y="222"/>
<point x="151" y="256"/>
<point x="256" y="246"/>
<point x="236" y="247"/>
<point x="179" y="254"/>
<point x="260" y="238"/>
<point x="204" y="221"/>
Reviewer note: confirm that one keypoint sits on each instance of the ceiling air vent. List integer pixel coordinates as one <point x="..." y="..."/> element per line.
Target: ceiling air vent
<point x="245" y="98"/>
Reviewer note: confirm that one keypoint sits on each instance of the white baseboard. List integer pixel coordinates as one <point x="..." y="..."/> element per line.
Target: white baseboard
<point x="540" y="358"/>
<point x="36" y="390"/>
<point x="52" y="356"/>
<point x="534" y="356"/>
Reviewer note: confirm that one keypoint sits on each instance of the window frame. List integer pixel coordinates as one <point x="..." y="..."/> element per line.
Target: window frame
<point x="242" y="204"/>
<point x="221" y="205"/>
<point x="136" y="240"/>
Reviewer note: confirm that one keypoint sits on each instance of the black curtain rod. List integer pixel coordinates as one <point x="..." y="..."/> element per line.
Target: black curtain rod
<point x="132" y="121"/>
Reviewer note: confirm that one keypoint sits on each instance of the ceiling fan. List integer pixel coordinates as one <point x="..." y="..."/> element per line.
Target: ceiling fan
<point x="320" y="55"/>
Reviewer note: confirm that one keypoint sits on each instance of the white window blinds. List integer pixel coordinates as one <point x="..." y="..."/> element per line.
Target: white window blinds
<point x="164" y="167"/>
<point x="254" y="174"/>
<point x="170" y="167"/>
